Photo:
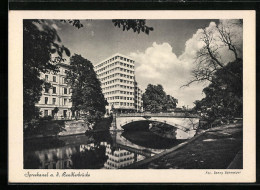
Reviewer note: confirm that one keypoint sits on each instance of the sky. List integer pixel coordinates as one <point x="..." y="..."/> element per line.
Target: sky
<point x="165" y="56"/>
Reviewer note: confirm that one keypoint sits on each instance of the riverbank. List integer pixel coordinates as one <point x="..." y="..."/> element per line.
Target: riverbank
<point x="215" y="148"/>
<point x="55" y="128"/>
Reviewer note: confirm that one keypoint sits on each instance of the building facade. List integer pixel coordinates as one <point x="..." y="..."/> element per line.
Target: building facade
<point x="138" y="98"/>
<point x="58" y="95"/>
<point x="117" y="77"/>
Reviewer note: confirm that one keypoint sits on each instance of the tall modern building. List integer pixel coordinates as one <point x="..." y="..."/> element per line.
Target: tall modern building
<point x="118" y="158"/>
<point x="58" y="95"/>
<point x="117" y="77"/>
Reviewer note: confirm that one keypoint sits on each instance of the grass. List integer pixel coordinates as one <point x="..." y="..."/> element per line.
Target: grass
<point x="212" y="150"/>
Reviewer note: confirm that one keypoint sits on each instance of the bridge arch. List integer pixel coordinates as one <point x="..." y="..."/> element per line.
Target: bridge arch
<point x="185" y="125"/>
<point x="144" y="124"/>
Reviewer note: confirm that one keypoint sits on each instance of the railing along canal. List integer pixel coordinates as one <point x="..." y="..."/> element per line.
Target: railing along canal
<point x="144" y="114"/>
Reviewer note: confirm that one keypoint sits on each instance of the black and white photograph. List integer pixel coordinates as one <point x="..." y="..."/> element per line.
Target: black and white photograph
<point x="133" y="94"/>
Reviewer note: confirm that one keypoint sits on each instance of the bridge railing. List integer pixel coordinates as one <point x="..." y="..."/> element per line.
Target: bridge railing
<point x="145" y="114"/>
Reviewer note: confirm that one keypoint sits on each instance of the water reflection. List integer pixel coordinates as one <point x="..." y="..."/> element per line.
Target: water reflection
<point x="109" y="150"/>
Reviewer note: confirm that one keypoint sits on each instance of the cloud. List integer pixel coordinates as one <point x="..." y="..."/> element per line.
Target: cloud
<point x="159" y="65"/>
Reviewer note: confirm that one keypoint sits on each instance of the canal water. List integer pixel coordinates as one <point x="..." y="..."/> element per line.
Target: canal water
<point x="100" y="150"/>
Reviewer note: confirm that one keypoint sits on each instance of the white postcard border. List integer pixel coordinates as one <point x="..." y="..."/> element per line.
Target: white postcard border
<point x="15" y="101"/>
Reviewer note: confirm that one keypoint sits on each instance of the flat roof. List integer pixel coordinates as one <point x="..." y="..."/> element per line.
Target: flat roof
<point x="116" y="54"/>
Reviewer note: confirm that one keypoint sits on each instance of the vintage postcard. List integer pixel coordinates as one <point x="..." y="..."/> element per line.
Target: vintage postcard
<point x="132" y="97"/>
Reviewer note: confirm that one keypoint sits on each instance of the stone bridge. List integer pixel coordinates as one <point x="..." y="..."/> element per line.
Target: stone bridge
<point x="186" y="124"/>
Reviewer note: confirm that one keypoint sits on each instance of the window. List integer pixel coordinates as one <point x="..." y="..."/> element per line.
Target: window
<point x="54" y="78"/>
<point x="46" y="90"/>
<point x="65" y="101"/>
<point x="46" y="100"/>
<point x="53" y="101"/>
<point x="64" y="80"/>
<point x="46" y="77"/>
<point x="65" y="90"/>
<point x="45" y="112"/>
<point x="54" y="90"/>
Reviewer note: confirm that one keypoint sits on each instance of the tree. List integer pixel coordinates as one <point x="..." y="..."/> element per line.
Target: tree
<point x="209" y="58"/>
<point x="55" y="111"/>
<point x="220" y="63"/>
<point x="223" y="97"/>
<point x="156" y="100"/>
<point x="87" y="94"/>
<point x="42" y="49"/>
<point x="171" y="103"/>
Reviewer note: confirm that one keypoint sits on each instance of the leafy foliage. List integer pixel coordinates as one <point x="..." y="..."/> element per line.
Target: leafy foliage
<point x="156" y="100"/>
<point x="56" y="110"/>
<point x="87" y="95"/>
<point x="44" y="126"/>
<point x="42" y="50"/>
<point x="73" y="22"/>
<point x="137" y="25"/>
<point x="223" y="97"/>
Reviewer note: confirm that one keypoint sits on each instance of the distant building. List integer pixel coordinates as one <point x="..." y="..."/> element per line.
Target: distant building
<point x="117" y="77"/>
<point x="58" y="95"/>
<point x="138" y="98"/>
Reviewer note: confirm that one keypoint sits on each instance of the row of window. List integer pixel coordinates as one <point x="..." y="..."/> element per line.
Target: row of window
<point x="138" y="89"/>
<point x="54" y="90"/>
<point x="139" y="102"/>
<point x="54" y="79"/>
<point x="113" y="59"/>
<point x="122" y="154"/>
<point x="119" y="166"/>
<point x="64" y="112"/>
<point x="116" y="75"/>
<point x="115" y="92"/>
<point x="53" y="102"/>
<point x="138" y="95"/>
<point x="117" y="86"/>
<point x="120" y="104"/>
<point x="120" y="98"/>
<point x="117" y="80"/>
<point x="113" y="70"/>
<point x="122" y="159"/>
<point x="121" y="92"/>
<point x="119" y="154"/>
